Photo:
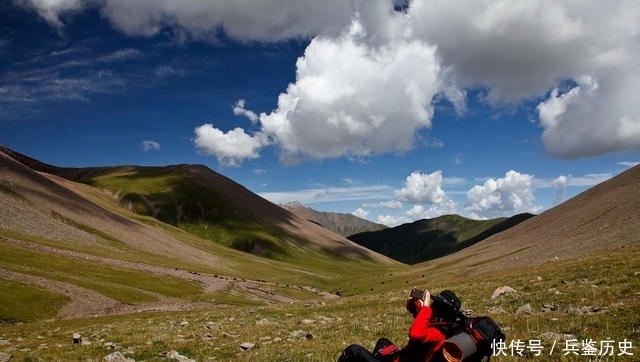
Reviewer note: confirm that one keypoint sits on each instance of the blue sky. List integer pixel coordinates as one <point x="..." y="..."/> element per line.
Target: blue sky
<point x="393" y="111"/>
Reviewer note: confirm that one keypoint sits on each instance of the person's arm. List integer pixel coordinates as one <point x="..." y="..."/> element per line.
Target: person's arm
<point x="421" y="331"/>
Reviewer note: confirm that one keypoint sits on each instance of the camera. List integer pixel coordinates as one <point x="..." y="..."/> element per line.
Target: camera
<point x="418" y="294"/>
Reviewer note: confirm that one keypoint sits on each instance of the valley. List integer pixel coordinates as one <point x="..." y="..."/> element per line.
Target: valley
<point x="148" y="261"/>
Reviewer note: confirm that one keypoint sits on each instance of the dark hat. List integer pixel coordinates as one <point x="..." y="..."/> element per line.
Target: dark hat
<point x="449" y="298"/>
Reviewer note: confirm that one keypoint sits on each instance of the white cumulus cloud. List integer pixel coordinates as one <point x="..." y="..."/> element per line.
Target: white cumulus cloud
<point x="421" y="188"/>
<point x="506" y="196"/>
<point x="350" y="98"/>
<point x="530" y="49"/>
<point x="360" y="213"/>
<point x="230" y="148"/>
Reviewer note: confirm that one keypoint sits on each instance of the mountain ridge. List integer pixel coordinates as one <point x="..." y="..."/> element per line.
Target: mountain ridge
<point x="340" y="223"/>
<point x="429" y="239"/>
<point x="294" y="232"/>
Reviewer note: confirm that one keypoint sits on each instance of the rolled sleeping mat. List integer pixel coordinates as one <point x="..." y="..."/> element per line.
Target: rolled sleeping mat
<point x="458" y="347"/>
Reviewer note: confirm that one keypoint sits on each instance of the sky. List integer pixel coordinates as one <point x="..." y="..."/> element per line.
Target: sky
<point x="391" y="110"/>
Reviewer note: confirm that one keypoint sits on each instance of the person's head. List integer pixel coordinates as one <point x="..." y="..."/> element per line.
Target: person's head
<point x="445" y="305"/>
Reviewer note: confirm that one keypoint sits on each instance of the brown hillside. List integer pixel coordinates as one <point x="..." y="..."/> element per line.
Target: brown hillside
<point x="303" y="232"/>
<point x="56" y="192"/>
<point x="607" y="216"/>
<point x="35" y="204"/>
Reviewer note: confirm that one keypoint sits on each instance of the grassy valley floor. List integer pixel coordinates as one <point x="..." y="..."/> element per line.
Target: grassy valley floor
<point x="566" y="305"/>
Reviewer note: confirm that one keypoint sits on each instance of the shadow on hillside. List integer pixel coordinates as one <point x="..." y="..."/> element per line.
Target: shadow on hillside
<point x="429" y="239"/>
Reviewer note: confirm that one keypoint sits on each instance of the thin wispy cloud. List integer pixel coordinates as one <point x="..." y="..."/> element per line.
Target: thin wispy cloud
<point x="149" y="145"/>
<point x="328" y="194"/>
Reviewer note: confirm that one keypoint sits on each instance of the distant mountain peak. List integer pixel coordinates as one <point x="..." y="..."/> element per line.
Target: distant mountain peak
<point x="340" y="223"/>
<point x="293" y="205"/>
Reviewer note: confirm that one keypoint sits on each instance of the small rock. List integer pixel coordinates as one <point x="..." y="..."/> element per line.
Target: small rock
<point x="173" y="354"/>
<point x="307" y="321"/>
<point x="324" y="319"/>
<point x="502" y="290"/>
<point x="110" y="345"/>
<point x="4" y="342"/>
<point x="524" y="309"/>
<point x="263" y="322"/>
<point x="117" y="357"/>
<point x="299" y="334"/>
<point x="5" y="357"/>
<point x="184" y="324"/>
<point x="247" y="346"/>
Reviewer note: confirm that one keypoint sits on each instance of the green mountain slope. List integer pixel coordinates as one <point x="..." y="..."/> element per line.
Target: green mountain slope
<point x="429" y="239"/>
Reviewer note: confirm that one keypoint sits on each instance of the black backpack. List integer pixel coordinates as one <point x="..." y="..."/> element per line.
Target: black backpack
<point x="453" y="321"/>
<point x="485" y="333"/>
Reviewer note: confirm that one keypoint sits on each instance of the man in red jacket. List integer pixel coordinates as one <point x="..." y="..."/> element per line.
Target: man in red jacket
<point x="426" y="334"/>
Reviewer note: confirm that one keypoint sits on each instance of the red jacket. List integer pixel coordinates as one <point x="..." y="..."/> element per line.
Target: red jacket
<point x="425" y="341"/>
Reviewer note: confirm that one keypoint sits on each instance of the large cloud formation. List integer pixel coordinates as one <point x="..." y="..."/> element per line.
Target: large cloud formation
<point x="371" y="73"/>
<point x="512" y="194"/>
<point x="419" y="190"/>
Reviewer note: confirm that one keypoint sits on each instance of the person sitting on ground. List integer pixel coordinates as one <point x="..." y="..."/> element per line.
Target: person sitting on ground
<point x="435" y="319"/>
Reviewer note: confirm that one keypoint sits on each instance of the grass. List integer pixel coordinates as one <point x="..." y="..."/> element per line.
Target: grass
<point x="27" y="303"/>
<point x="124" y="285"/>
<point x="594" y="297"/>
<point x="211" y="231"/>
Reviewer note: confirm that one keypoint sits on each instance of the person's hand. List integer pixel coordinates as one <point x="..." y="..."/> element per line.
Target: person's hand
<point x="414" y="305"/>
<point x="427" y="298"/>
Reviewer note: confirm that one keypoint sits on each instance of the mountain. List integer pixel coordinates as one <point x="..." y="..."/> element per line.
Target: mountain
<point x="602" y="218"/>
<point x="429" y="239"/>
<point x="82" y="242"/>
<point x="339" y="223"/>
<point x="192" y="198"/>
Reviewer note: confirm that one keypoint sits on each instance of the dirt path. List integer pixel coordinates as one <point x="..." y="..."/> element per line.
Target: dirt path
<point x="210" y="283"/>
<point x="87" y="303"/>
